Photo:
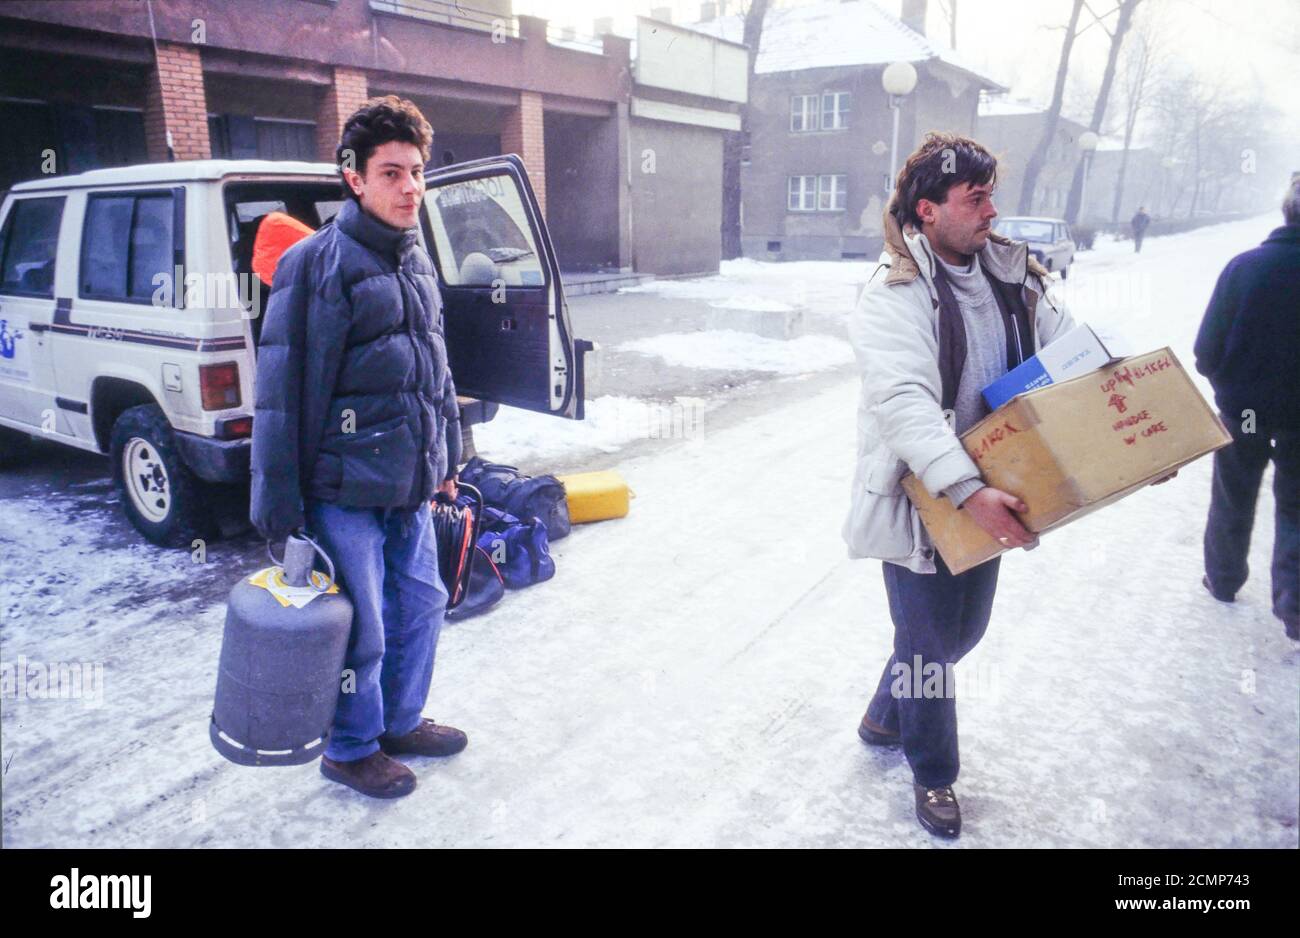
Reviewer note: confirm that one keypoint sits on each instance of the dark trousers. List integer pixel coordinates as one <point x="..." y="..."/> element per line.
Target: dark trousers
<point x="1137" y="241"/>
<point x="1238" y="470"/>
<point x="938" y="618"/>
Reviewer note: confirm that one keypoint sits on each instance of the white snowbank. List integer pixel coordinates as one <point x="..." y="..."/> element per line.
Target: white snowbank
<point x="819" y="286"/>
<point x="611" y="421"/>
<point x="729" y="350"/>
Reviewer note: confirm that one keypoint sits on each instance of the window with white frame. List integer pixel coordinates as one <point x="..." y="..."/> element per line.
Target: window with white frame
<point x="802" y="194"/>
<point x="835" y="110"/>
<point x="832" y="193"/>
<point x="828" y="193"/>
<point x="803" y="112"/>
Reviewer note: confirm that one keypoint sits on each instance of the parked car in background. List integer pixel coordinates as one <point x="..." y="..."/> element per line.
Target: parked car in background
<point x="130" y="314"/>
<point x="1049" y="240"/>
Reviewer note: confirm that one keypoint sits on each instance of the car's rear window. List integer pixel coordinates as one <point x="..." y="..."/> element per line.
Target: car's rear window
<point x="1024" y="230"/>
<point x="313" y="203"/>
<point x="247" y="203"/>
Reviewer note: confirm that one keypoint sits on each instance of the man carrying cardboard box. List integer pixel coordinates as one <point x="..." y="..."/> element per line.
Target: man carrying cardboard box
<point x="1249" y="348"/>
<point x="951" y="309"/>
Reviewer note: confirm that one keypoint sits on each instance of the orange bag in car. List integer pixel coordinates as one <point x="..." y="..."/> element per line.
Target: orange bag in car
<point x="276" y="233"/>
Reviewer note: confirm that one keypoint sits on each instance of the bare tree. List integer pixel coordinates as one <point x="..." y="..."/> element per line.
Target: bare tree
<point x="1138" y="75"/>
<point x="1125" y="9"/>
<point x="1034" y="165"/>
<point x="949" y="8"/>
<point x="1202" y="126"/>
<point x="733" y="145"/>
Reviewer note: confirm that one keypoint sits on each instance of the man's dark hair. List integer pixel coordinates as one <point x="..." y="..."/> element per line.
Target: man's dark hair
<point x="379" y="121"/>
<point x="941" y="162"/>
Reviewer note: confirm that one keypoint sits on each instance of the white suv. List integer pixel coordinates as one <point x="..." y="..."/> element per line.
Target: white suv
<point x="129" y="314"/>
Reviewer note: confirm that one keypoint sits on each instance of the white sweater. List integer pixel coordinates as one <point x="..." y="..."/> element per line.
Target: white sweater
<point x="895" y="335"/>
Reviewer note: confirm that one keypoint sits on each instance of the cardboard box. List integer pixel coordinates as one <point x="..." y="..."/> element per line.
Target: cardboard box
<point x="1077" y="352"/>
<point x="1070" y="448"/>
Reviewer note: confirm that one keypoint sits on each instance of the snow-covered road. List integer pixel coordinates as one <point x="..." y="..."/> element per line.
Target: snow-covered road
<point x="694" y="674"/>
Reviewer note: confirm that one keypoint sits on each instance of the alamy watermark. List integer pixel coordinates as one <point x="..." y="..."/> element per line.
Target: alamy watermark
<point x="78" y="891"/>
<point x="212" y="290"/>
<point x="55" y="680"/>
<point x="929" y="680"/>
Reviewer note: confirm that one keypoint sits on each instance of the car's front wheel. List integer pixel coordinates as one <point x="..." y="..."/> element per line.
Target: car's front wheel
<point x="162" y="498"/>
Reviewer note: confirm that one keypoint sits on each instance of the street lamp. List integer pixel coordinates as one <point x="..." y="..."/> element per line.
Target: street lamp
<point x="898" y="80"/>
<point x="1088" y="144"/>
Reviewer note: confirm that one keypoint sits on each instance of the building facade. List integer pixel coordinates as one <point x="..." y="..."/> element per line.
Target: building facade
<point x="817" y="174"/>
<point x="1144" y="184"/>
<point x="103" y="83"/>
<point x="1011" y="130"/>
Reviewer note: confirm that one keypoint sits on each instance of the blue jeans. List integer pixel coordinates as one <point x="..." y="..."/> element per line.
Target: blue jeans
<point x="938" y="617"/>
<point x="387" y="561"/>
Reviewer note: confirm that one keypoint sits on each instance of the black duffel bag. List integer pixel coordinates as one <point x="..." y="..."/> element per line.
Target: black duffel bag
<point x="456" y="526"/>
<point x="525" y="497"/>
<point x="485" y="589"/>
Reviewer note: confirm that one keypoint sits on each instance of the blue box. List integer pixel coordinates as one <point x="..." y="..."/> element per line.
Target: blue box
<point x="1077" y="352"/>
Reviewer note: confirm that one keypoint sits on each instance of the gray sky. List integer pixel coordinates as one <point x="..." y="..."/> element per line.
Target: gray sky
<point x="1253" y="45"/>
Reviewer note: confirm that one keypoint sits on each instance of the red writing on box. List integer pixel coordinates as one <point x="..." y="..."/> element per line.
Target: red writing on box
<point x="1130" y="420"/>
<point x="1129" y="374"/>
<point x="1151" y="430"/>
<point x="993" y="438"/>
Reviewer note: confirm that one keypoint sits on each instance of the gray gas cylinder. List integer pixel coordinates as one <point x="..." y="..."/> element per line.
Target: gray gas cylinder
<point x="281" y="662"/>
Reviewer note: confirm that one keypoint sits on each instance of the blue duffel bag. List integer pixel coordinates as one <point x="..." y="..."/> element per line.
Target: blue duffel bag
<point x="520" y="549"/>
<point x="523" y="496"/>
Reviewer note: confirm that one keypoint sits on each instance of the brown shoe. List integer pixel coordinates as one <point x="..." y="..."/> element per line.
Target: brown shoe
<point x="427" y="739"/>
<point x="376" y="775"/>
<point x="937" y="810"/>
<point x="873" y="734"/>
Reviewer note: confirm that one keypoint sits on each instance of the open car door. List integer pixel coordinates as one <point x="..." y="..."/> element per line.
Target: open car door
<point x="505" y="319"/>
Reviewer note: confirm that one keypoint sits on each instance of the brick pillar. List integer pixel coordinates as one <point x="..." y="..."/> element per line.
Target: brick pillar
<point x="521" y="132"/>
<point x="176" y="102"/>
<point x="340" y="101"/>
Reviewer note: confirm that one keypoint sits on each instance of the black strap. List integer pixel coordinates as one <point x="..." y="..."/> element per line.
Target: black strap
<point x="1015" y="319"/>
<point x="952" y="339"/>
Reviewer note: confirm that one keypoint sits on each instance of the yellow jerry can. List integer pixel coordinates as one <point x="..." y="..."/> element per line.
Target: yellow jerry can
<point x="596" y="496"/>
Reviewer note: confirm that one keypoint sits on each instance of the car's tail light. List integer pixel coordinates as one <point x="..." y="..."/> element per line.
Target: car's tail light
<point x="219" y="386"/>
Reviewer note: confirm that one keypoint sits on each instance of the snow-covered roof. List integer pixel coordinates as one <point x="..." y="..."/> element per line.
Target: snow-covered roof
<point x="1004" y="106"/>
<point x="179" y="171"/>
<point x="1001" y="106"/>
<point x="835" y="33"/>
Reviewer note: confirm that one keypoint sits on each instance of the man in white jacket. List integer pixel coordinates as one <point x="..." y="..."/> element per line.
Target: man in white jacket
<point x="952" y="308"/>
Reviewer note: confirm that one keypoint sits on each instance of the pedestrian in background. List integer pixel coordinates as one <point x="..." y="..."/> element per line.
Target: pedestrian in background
<point x="1139" y="224"/>
<point x="1249" y="348"/>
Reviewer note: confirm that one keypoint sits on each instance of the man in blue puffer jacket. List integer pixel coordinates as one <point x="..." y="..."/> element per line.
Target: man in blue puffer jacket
<point x="356" y="427"/>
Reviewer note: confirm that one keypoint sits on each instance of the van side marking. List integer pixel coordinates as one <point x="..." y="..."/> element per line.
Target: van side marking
<point x="64" y="325"/>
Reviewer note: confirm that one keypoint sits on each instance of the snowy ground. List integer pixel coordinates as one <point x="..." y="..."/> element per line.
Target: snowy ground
<point x="695" y="672"/>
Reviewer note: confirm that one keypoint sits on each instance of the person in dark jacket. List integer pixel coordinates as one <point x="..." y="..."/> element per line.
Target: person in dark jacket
<point x="356" y="426"/>
<point x="1139" y="224"/>
<point x="1249" y="348"/>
